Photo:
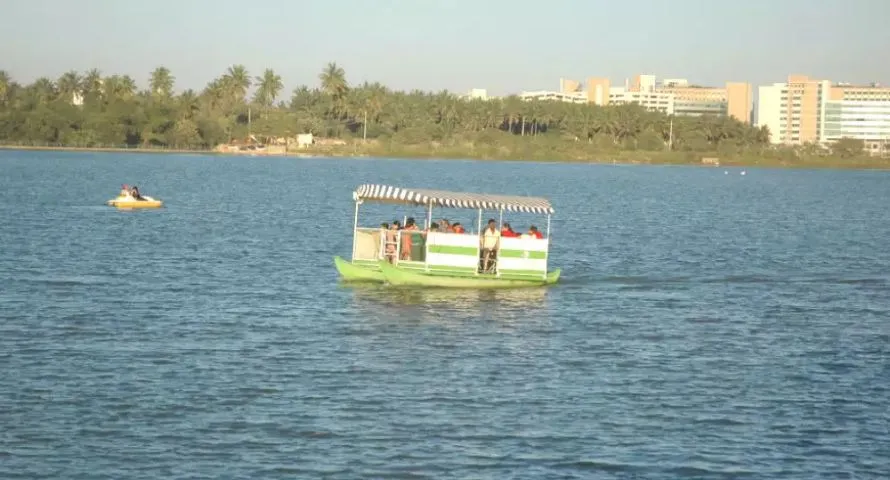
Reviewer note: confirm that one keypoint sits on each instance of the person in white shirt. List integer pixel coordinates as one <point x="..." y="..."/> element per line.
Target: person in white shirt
<point x="490" y="243"/>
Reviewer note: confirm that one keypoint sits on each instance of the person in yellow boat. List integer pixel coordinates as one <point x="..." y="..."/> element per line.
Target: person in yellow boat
<point x="125" y="190"/>
<point x="135" y="193"/>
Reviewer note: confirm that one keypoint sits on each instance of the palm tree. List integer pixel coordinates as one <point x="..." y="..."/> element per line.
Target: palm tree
<point x="161" y="82"/>
<point x="70" y="85"/>
<point x="512" y="112"/>
<point x="214" y="92"/>
<point x="237" y="81"/>
<point x="5" y="82"/>
<point x="43" y="90"/>
<point x="375" y="100"/>
<point x="335" y="108"/>
<point x="92" y="80"/>
<point x="119" y="86"/>
<point x="333" y="83"/>
<point x="188" y="104"/>
<point x="333" y="80"/>
<point x="270" y="86"/>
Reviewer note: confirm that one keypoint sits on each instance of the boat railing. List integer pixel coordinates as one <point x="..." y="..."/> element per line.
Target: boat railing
<point x="369" y="244"/>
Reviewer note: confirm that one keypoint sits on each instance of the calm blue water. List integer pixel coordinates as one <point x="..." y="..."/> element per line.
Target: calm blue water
<point x="709" y="325"/>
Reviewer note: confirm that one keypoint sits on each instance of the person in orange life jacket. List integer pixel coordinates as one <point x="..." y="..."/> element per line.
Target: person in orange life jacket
<point x="406" y="238"/>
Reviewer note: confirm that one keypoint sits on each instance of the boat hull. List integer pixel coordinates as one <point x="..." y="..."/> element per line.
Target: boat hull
<point x="351" y="272"/>
<point x="396" y="276"/>
<point x="129" y="202"/>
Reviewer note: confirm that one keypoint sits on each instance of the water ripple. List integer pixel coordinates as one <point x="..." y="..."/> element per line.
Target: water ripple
<point x="700" y="332"/>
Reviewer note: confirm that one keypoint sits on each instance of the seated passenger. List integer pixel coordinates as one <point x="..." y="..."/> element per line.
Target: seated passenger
<point x="533" y="231"/>
<point x="457" y="228"/>
<point x="507" y="231"/>
<point x="125" y="190"/>
<point x="444" y="225"/>
<point x="135" y="193"/>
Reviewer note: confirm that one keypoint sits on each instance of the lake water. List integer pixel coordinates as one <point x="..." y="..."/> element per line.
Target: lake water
<point x="709" y="325"/>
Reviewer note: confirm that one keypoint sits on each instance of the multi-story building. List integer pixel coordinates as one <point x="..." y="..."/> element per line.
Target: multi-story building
<point x="600" y="92"/>
<point x="792" y="111"/>
<point x="676" y="96"/>
<point x="570" y="97"/>
<point x="649" y="99"/>
<point x="672" y="96"/>
<point x="476" y="94"/>
<point x="804" y="110"/>
<point x="860" y="112"/>
<point x="735" y="100"/>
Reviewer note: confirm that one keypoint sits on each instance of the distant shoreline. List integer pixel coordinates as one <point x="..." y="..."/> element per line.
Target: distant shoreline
<point x="413" y="152"/>
<point x="103" y="149"/>
<point x="159" y="151"/>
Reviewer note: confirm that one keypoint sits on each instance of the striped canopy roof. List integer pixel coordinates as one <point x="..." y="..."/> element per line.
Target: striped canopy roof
<point x="440" y="198"/>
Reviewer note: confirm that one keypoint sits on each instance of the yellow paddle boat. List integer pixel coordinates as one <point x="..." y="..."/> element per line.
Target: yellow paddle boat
<point x="127" y="199"/>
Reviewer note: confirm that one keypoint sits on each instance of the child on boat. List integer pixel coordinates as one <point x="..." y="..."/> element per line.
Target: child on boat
<point x="391" y="242"/>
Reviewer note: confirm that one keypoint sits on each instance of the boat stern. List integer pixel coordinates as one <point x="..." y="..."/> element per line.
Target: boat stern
<point x="351" y="272"/>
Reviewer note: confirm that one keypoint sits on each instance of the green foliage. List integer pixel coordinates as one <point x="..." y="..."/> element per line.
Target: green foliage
<point x="111" y="111"/>
<point x="848" y="147"/>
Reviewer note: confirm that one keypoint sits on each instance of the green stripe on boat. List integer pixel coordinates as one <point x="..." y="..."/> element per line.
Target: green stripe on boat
<point x="470" y="251"/>
<point x="529" y="254"/>
<point x="396" y="275"/>
<point x="452" y="250"/>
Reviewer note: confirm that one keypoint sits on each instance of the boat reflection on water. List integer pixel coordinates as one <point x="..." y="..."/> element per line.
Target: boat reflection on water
<point x="454" y="304"/>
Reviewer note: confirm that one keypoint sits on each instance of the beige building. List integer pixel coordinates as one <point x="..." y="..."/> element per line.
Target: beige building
<point x="569" y="86"/>
<point x="598" y="91"/>
<point x="735" y="99"/>
<point x="673" y="96"/>
<point x="806" y="110"/>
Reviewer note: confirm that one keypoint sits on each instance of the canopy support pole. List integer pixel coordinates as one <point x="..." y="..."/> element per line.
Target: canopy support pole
<point x="497" y="271"/>
<point x="355" y="228"/>
<point x="429" y="216"/>
<point x="426" y="242"/>
<point x="547" y="260"/>
<point x="479" y="243"/>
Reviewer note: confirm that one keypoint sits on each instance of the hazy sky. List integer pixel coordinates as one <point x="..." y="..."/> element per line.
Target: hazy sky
<point x="504" y="46"/>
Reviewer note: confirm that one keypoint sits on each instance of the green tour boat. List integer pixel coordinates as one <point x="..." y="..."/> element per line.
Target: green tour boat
<point x="431" y="258"/>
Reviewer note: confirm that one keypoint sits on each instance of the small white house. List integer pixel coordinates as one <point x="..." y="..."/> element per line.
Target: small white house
<point x="304" y="140"/>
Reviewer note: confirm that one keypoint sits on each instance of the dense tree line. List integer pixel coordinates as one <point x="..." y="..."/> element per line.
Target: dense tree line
<point x="112" y="110"/>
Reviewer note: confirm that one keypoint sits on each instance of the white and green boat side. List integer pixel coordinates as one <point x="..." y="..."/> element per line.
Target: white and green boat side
<point x="446" y="259"/>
